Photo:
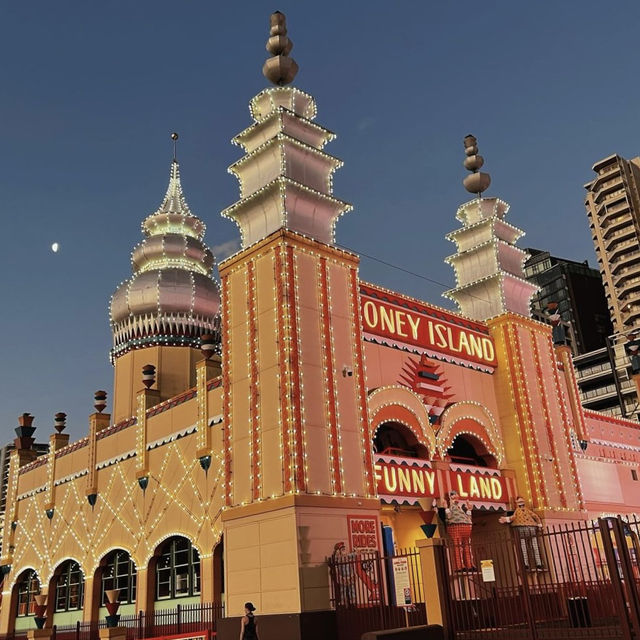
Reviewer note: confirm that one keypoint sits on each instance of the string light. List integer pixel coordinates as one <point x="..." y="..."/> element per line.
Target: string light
<point x="315" y="290"/>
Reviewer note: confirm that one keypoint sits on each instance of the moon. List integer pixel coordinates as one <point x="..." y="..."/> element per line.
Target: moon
<point x="55" y="246"/>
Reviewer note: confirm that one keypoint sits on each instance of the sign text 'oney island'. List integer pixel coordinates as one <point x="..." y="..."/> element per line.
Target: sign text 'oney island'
<point x="426" y="328"/>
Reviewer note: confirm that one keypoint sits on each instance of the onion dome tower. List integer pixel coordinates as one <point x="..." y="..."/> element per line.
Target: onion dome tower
<point x="168" y="303"/>
<point x="489" y="266"/>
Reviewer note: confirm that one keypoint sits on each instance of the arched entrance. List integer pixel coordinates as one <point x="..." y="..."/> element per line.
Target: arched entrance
<point x="469" y="450"/>
<point x="395" y="438"/>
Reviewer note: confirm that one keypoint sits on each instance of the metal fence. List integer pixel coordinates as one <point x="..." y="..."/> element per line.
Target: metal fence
<point x="192" y="618"/>
<point x="577" y="580"/>
<point x="371" y="592"/>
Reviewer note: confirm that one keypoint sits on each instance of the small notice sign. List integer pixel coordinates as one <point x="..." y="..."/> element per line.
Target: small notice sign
<point x="488" y="574"/>
<point x="402" y="582"/>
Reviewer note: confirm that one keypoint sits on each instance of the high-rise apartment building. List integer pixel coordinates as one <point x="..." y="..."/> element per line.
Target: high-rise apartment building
<point x="613" y="208"/>
<point x="577" y="290"/>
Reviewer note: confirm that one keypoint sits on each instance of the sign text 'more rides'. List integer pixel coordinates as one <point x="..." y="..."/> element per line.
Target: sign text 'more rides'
<point x="420" y="326"/>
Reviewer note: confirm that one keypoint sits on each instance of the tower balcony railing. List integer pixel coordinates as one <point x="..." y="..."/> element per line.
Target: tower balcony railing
<point x="622" y="207"/>
<point x="615" y="205"/>
<point x="606" y="173"/>
<point x="628" y="290"/>
<point x="614" y="189"/>
<point x="626" y="260"/>
<point x="613" y="183"/>
<point x="627" y="272"/>
<point x="624" y="229"/>
<point x="622" y="246"/>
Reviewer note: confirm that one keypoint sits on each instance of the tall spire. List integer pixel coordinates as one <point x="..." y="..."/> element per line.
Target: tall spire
<point x="171" y="298"/>
<point x="174" y="200"/>
<point x="280" y="69"/>
<point x="174" y="137"/>
<point x="489" y="266"/>
<point x="286" y="178"/>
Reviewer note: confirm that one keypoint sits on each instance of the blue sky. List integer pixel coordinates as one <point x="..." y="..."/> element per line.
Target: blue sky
<point x="91" y="91"/>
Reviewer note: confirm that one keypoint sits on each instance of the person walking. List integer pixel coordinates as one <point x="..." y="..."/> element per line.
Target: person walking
<point x="248" y="624"/>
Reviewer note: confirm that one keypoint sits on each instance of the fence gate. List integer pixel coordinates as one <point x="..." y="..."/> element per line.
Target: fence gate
<point x="575" y="581"/>
<point x="371" y="592"/>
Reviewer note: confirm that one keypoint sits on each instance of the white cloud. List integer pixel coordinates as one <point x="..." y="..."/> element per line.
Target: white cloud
<point x="225" y="249"/>
<point x="365" y="123"/>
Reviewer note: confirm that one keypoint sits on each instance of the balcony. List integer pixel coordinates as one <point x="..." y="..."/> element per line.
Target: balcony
<point x="619" y="208"/>
<point x="629" y="289"/>
<point x="619" y="227"/>
<point x="606" y="174"/>
<point x="622" y="247"/>
<point x="606" y="391"/>
<point x="609" y="186"/>
<point x="613" y="208"/>
<point x="628" y="272"/>
<point x="632" y="313"/>
<point x="595" y="372"/>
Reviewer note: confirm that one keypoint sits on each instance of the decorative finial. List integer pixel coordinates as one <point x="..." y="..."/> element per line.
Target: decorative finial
<point x="477" y="182"/>
<point x="207" y="345"/>
<point x="148" y="375"/>
<point x="24" y="431"/>
<point x="100" y="400"/>
<point x="174" y="137"/>
<point x="60" y="421"/>
<point x="281" y="69"/>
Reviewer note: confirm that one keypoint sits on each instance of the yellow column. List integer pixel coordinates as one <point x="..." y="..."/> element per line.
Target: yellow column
<point x="143" y="598"/>
<point x="564" y="355"/>
<point x="113" y="633"/>
<point x="12" y="509"/>
<point x="97" y="422"/>
<point x="205" y="370"/>
<point x="146" y="398"/>
<point x="89" y="597"/>
<point x="206" y="578"/>
<point x="432" y="563"/>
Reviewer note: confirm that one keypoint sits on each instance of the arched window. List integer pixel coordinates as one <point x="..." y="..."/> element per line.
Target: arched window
<point x="394" y="438"/>
<point x="466" y="449"/>
<point x="119" y="572"/>
<point x="28" y="586"/>
<point x="177" y="570"/>
<point x="69" y="587"/>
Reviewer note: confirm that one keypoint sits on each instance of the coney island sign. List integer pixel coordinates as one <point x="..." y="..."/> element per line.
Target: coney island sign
<point x="403" y="321"/>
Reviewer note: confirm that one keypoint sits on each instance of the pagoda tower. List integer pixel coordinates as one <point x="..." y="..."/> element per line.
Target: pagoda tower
<point x="297" y="436"/>
<point x="489" y="266"/>
<point x="537" y="412"/>
<point x="159" y="314"/>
